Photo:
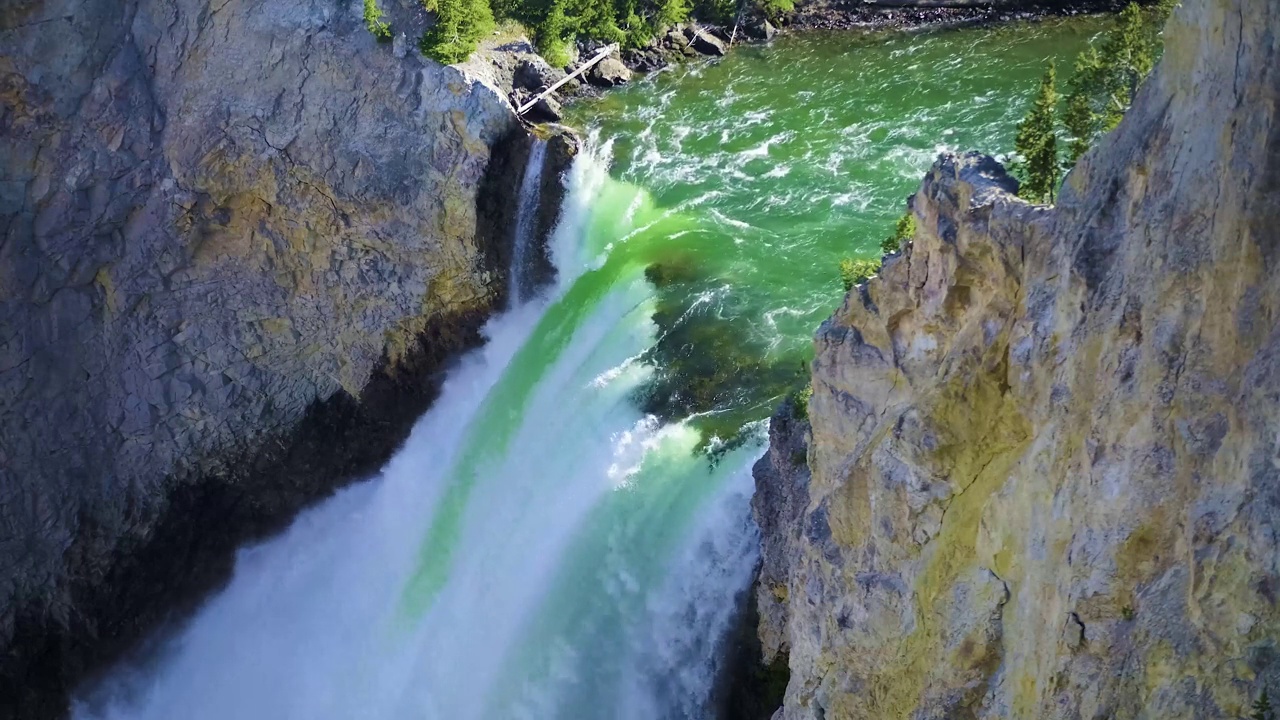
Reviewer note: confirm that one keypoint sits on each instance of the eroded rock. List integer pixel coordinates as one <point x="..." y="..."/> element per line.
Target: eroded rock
<point x="239" y="241"/>
<point x="1042" y="473"/>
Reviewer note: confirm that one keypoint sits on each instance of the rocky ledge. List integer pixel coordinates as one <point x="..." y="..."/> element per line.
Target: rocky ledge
<point x="1041" y="472"/>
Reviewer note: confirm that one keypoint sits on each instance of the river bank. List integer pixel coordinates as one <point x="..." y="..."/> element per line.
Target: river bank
<point x="511" y="62"/>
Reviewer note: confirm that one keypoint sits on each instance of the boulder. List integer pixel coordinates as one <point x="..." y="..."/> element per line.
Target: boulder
<point x="547" y="109"/>
<point x="706" y="43"/>
<point x="645" y="60"/>
<point x="608" y="73"/>
<point x="533" y="73"/>
<point x="760" y="29"/>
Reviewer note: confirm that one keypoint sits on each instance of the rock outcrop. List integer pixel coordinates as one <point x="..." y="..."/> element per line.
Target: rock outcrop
<point x="1043" y="471"/>
<point x="237" y="242"/>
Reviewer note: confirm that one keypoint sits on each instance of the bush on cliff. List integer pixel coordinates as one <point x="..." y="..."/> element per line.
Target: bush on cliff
<point x="373" y="20"/>
<point x="902" y="232"/>
<point x="856" y="271"/>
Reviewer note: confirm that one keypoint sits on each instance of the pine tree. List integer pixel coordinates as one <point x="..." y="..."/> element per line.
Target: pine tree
<point x="551" y="33"/>
<point x="1262" y="708"/>
<point x="1079" y="117"/>
<point x="1127" y="56"/>
<point x="670" y="12"/>
<point x="1037" y="143"/>
<point x="457" y="30"/>
<point x="1106" y="77"/>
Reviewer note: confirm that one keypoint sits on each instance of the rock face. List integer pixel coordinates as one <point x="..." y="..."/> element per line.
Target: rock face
<point x="237" y="240"/>
<point x="1043" y="471"/>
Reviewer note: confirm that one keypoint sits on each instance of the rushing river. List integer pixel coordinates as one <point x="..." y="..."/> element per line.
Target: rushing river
<point x="567" y="531"/>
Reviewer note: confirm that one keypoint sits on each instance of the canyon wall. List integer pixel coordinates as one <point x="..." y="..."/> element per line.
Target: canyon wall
<point x="1040" y="472"/>
<point x="238" y="239"/>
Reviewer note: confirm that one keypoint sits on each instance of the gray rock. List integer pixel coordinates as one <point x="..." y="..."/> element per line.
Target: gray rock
<point x="547" y="109"/>
<point x="609" y="72"/>
<point x="704" y="42"/>
<point x="534" y="74"/>
<point x="225" y="228"/>
<point x="1043" y="475"/>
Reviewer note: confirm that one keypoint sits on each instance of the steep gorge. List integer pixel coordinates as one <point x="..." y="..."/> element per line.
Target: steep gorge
<point x="1040" y="475"/>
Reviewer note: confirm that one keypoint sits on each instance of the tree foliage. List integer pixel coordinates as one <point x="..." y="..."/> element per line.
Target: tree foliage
<point x="1262" y="708"/>
<point x="903" y="231"/>
<point x="558" y="24"/>
<point x="1107" y="76"/>
<point x="373" y="20"/>
<point x="857" y="271"/>
<point x="457" y="29"/>
<point x="1037" y="143"/>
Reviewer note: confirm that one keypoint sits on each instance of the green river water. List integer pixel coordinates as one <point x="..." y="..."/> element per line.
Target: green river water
<point x="787" y="157"/>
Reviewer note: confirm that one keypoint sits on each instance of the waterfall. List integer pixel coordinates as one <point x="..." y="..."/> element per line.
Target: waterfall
<point x="526" y="230"/>
<point x="538" y="549"/>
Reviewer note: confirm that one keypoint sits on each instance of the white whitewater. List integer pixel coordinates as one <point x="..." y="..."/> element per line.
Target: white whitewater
<point x="526" y="229"/>
<point x="538" y="549"/>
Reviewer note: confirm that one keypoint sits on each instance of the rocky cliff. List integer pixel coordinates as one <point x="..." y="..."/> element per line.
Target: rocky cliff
<point x="1042" y="473"/>
<point x="237" y="239"/>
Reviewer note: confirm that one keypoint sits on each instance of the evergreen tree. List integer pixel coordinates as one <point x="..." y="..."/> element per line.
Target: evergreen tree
<point x="670" y="12"/>
<point x="552" y="32"/>
<point x="1080" y="118"/>
<point x="457" y="30"/>
<point x="1262" y="708"/>
<point x="1107" y="77"/>
<point x="1037" y="143"/>
<point x="1128" y="55"/>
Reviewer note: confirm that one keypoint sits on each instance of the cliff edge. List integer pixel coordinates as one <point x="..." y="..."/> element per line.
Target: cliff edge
<point x="1042" y="477"/>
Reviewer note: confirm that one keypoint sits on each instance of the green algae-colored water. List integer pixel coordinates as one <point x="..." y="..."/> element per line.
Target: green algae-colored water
<point x="790" y="156"/>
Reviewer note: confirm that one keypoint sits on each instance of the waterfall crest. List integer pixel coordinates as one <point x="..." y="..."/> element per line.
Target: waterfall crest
<point x="538" y="549"/>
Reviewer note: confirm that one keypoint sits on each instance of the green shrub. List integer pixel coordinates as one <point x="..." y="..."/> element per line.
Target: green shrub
<point x="373" y="20"/>
<point x="1262" y="708"/>
<point x="800" y="402"/>
<point x="854" y="271"/>
<point x="902" y="232"/>
<point x="774" y="9"/>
